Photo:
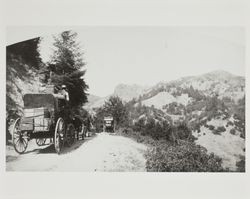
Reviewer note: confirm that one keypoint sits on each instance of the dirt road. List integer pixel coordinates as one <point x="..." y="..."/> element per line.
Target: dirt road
<point x="103" y="152"/>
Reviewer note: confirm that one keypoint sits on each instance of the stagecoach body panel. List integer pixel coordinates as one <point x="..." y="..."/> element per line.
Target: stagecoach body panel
<point x="40" y="111"/>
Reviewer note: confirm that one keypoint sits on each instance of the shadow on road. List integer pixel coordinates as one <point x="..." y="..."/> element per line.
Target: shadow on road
<point x="49" y="148"/>
<point x="65" y="149"/>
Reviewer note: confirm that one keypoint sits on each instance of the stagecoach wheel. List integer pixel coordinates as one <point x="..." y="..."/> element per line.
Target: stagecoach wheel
<point x="40" y="141"/>
<point x="19" y="138"/>
<point x="70" y="134"/>
<point x="59" y="133"/>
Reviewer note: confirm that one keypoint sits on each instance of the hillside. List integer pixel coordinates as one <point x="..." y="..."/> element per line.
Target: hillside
<point x="22" y="74"/>
<point x="128" y="92"/>
<point x="212" y="105"/>
<point x="222" y="83"/>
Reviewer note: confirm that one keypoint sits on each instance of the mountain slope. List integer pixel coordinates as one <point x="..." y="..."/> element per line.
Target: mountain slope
<point x="125" y="92"/>
<point x="213" y="107"/>
<point x="222" y="83"/>
<point x="128" y="92"/>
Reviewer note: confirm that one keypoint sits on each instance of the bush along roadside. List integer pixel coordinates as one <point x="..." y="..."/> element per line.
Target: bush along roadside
<point x="172" y="149"/>
<point x="184" y="157"/>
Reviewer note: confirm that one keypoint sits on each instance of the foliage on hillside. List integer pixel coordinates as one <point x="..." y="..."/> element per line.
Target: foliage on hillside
<point x="169" y="155"/>
<point x="27" y="51"/>
<point x="184" y="157"/>
<point x="239" y="116"/>
<point x="163" y="130"/>
<point x="22" y="60"/>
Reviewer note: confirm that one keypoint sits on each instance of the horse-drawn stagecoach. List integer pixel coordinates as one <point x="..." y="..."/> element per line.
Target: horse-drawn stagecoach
<point x="109" y="125"/>
<point x="46" y="116"/>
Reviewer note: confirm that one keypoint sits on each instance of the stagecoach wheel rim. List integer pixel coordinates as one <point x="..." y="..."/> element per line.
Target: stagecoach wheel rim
<point x="70" y="134"/>
<point x="59" y="132"/>
<point x="19" y="138"/>
<point x="40" y="141"/>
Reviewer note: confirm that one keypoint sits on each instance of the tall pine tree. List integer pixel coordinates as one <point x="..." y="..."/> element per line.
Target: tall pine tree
<point x="67" y="67"/>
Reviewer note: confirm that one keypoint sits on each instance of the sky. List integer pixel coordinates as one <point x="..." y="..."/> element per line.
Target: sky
<point x="146" y="55"/>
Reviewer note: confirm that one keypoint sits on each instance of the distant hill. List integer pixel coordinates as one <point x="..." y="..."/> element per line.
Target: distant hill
<point x="128" y="92"/>
<point x="124" y="91"/>
<point x="221" y="83"/>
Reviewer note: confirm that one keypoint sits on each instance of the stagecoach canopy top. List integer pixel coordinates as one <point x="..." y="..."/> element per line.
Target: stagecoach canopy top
<point x="39" y="100"/>
<point x="108" y="118"/>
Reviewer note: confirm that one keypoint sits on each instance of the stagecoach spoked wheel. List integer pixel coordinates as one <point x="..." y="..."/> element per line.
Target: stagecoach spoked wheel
<point x="19" y="138"/>
<point x="40" y="141"/>
<point x="70" y="134"/>
<point x="59" y="134"/>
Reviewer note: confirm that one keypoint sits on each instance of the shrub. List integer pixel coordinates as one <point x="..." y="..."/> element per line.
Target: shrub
<point x="233" y="131"/>
<point x="216" y="132"/>
<point x="242" y="135"/>
<point x="211" y="127"/>
<point x="137" y="136"/>
<point x="163" y="130"/>
<point x="184" y="157"/>
<point x="139" y="125"/>
<point x="241" y="164"/>
<point x="184" y="133"/>
<point x="219" y="130"/>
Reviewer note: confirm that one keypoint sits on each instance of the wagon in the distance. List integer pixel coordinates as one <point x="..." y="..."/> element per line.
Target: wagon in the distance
<point x="109" y="125"/>
<point x="46" y="116"/>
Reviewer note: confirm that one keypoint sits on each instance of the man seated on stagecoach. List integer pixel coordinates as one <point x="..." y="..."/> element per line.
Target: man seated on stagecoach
<point x="65" y="93"/>
<point x="60" y="93"/>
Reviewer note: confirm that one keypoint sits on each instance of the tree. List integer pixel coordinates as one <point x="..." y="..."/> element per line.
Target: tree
<point x="66" y="67"/>
<point x="115" y="107"/>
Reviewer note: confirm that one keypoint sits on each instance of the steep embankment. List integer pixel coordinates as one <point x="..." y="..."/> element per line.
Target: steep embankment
<point x="22" y="75"/>
<point x="20" y="79"/>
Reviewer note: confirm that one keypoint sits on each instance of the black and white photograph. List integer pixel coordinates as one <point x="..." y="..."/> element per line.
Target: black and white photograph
<point x="125" y="99"/>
